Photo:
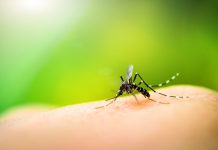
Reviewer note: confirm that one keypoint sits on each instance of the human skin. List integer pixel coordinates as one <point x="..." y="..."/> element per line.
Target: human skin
<point x="184" y="124"/>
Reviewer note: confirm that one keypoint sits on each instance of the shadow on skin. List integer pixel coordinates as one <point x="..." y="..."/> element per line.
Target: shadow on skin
<point x="183" y="124"/>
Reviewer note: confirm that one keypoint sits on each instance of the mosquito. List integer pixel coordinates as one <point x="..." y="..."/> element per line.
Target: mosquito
<point x="130" y="87"/>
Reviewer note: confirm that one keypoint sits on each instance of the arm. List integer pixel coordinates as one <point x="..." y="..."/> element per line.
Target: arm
<point x="183" y="124"/>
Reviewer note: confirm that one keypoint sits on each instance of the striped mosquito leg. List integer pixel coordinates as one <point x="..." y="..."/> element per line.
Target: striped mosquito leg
<point x="166" y="82"/>
<point x="112" y="101"/>
<point x="172" y="78"/>
<point x="173" y="96"/>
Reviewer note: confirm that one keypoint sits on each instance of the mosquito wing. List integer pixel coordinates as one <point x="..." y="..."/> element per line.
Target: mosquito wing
<point x="129" y="72"/>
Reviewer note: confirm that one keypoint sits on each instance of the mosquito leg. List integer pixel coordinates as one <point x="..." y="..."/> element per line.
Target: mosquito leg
<point x="143" y="81"/>
<point x="119" y="93"/>
<point x="166" y="82"/>
<point x="173" y="96"/>
<point x="121" y="78"/>
<point x="135" y="98"/>
<point x="158" y="101"/>
<point x="112" y="101"/>
<point x="136" y="86"/>
<point x="140" y="83"/>
<point x="156" y="91"/>
<point x="134" y="77"/>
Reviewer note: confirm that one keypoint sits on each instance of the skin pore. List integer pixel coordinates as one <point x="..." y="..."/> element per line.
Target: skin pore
<point x="188" y="124"/>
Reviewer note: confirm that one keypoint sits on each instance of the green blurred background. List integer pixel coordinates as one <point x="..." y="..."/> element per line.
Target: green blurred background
<point x="62" y="52"/>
